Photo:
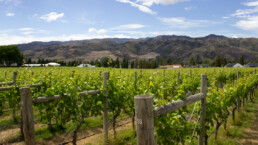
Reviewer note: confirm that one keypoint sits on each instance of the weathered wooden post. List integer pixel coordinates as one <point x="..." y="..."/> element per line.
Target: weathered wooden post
<point x="203" y="109"/>
<point x="164" y="73"/>
<point x="144" y="119"/>
<point x="238" y="100"/>
<point x="73" y="74"/>
<point x="14" y="77"/>
<point x="14" y="107"/>
<point x="105" y="116"/>
<point x="178" y="78"/>
<point x="135" y="80"/>
<point x="27" y="116"/>
<point x="100" y="75"/>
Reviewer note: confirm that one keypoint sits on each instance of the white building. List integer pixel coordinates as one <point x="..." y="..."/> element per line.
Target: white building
<point x="233" y="65"/>
<point x="52" y="64"/>
<point x="32" y="65"/>
<point x="85" y="65"/>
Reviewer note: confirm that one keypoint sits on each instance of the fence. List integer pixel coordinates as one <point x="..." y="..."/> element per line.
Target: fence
<point x="27" y="109"/>
<point x="145" y="114"/>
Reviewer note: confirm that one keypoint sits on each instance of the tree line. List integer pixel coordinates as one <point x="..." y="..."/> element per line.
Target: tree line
<point x="219" y="61"/>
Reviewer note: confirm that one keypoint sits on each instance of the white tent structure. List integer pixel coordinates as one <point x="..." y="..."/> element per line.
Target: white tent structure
<point x="52" y="64"/>
<point x="85" y="65"/>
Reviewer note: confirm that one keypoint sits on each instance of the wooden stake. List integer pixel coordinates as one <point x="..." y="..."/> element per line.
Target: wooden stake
<point x="144" y="119"/>
<point x="105" y="117"/>
<point x="178" y="78"/>
<point x="203" y="109"/>
<point x="27" y="116"/>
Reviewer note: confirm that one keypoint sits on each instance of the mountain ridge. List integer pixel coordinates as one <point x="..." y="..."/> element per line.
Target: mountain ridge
<point x="178" y="48"/>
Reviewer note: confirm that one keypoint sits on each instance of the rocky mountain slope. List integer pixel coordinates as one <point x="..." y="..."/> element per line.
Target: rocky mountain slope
<point x="179" y="48"/>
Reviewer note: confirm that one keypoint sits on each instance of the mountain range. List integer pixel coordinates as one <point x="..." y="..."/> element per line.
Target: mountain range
<point x="178" y="48"/>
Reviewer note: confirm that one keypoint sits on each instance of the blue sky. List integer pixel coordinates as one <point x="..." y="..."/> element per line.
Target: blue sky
<point x="25" y="21"/>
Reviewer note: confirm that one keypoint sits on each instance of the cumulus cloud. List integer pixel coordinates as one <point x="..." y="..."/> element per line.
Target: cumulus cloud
<point x="251" y="23"/>
<point x="180" y="22"/>
<point x="248" y="18"/>
<point x="128" y="26"/>
<point x="142" y="8"/>
<point x="251" y="4"/>
<point x="52" y="16"/>
<point x="9" y="14"/>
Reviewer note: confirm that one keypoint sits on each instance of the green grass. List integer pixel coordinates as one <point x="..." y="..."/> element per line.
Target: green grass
<point x="236" y="131"/>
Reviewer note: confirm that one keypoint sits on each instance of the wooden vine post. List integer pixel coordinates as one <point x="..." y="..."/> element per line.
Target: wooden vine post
<point x="135" y="80"/>
<point x="144" y="119"/>
<point x="27" y="116"/>
<point x="105" y="116"/>
<point x="238" y="100"/>
<point x="145" y="114"/>
<point x="178" y="78"/>
<point x="100" y="75"/>
<point x="204" y="90"/>
<point x="14" y="108"/>
<point x="14" y="77"/>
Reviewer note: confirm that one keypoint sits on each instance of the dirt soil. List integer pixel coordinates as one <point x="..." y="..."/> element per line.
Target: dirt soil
<point x="93" y="135"/>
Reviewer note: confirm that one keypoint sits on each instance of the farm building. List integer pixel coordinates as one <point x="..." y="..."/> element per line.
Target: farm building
<point x="52" y="64"/>
<point x="233" y="65"/>
<point x="85" y="65"/>
<point x="251" y="65"/>
<point x="32" y="65"/>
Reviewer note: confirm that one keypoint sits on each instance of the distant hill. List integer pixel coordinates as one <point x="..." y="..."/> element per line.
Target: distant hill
<point x="178" y="48"/>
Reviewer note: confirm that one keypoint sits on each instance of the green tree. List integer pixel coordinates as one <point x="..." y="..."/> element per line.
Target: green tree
<point x="217" y="61"/>
<point x="11" y="54"/>
<point x="117" y="63"/>
<point x="125" y="63"/>
<point x="242" y="60"/>
<point x="192" y="61"/>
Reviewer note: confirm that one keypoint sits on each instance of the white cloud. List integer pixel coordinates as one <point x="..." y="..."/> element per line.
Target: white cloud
<point x="52" y="16"/>
<point x="91" y="30"/>
<point x="248" y="18"/>
<point x="100" y="31"/>
<point x="244" y="13"/>
<point x="163" y="2"/>
<point x="129" y="26"/>
<point x="11" y="2"/>
<point x="142" y="8"/>
<point x="179" y="22"/>
<point x="9" y="14"/>
<point x="16" y="39"/>
<point x="251" y="4"/>
<point x="26" y="29"/>
<point x="251" y="23"/>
